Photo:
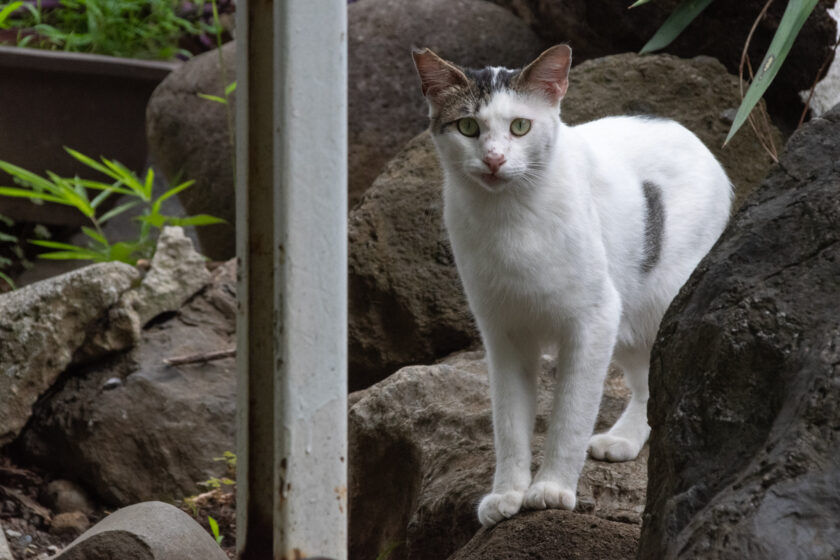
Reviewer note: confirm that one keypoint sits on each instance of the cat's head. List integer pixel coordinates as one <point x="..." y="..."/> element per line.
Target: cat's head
<point x="495" y="126"/>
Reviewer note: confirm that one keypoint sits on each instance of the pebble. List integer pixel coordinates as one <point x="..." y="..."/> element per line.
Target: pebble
<point x="12" y="534"/>
<point x="111" y="383"/>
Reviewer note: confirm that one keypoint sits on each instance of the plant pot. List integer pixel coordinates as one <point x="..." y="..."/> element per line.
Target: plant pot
<point x="94" y="104"/>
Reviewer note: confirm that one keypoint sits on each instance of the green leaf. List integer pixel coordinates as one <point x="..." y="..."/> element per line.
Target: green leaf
<point x="150" y="182"/>
<point x="197" y="220"/>
<point x="100" y="186"/>
<point x="92" y="163"/>
<point x="170" y="193"/>
<point x="28" y="177"/>
<point x="231" y="87"/>
<point x="154" y="220"/>
<point x="73" y="255"/>
<point x="214" y="528"/>
<point x="123" y="252"/>
<point x="796" y="12"/>
<point x="117" y="210"/>
<point x="5" y="278"/>
<point x="683" y="14"/>
<point x="100" y="198"/>
<point x="5" y="12"/>
<point x="32" y="195"/>
<point x="127" y="177"/>
<point x="56" y="245"/>
<point x="638" y="3"/>
<point x="95" y="235"/>
<point x="7" y="238"/>
<point x="215" y="98"/>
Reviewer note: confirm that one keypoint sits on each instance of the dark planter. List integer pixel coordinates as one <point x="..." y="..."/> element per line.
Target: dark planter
<point x="94" y="104"/>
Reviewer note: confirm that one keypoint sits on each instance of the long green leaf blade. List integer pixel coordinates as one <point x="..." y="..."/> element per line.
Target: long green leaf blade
<point x="683" y="14"/>
<point x="5" y="278"/>
<point x="197" y="220"/>
<point x="171" y="192"/>
<point x="23" y="193"/>
<point x="92" y="163"/>
<point x="28" y="177"/>
<point x="638" y="3"/>
<point x="73" y="255"/>
<point x="5" y="12"/>
<point x="117" y="210"/>
<point x="796" y="12"/>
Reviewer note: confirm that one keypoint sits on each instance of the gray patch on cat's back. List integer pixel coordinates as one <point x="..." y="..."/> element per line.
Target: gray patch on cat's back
<point x="654" y="225"/>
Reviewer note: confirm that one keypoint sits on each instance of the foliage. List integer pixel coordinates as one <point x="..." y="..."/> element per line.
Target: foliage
<point x="149" y="29"/>
<point x="6" y="238"/>
<point x="88" y="195"/>
<point x="389" y="549"/>
<point x="796" y="12"/>
<point x="214" y="528"/>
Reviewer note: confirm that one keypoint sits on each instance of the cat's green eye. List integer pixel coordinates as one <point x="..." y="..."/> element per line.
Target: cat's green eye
<point x="520" y="127"/>
<point x="468" y="126"/>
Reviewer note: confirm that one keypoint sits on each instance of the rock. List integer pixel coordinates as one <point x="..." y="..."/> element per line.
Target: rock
<point x="189" y="139"/>
<point x="745" y="452"/>
<point x="555" y="535"/>
<point x="421" y="457"/>
<point x="41" y="328"/>
<point x="64" y="496"/>
<point x="598" y="29"/>
<point x="406" y="301"/>
<point x="156" y="435"/>
<point x="147" y="531"/>
<point x="177" y="272"/>
<point x="5" y="551"/>
<point x="70" y="524"/>
<point x="386" y="108"/>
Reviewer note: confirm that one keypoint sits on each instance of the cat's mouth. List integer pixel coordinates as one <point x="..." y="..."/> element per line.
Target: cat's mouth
<point x="491" y="181"/>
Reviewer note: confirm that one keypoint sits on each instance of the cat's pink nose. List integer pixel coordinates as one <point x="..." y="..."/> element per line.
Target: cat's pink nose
<point x="494" y="162"/>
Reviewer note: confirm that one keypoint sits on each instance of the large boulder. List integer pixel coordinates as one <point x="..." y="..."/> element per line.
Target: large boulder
<point x="596" y="29"/>
<point x="189" y="138"/>
<point x="406" y="302"/>
<point x="42" y="326"/>
<point x="421" y="456"/>
<point x="130" y="427"/>
<point x="386" y="107"/>
<point x="555" y="535"/>
<point x="745" y="381"/>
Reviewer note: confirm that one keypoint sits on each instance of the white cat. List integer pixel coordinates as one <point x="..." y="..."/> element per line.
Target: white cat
<point x="575" y="238"/>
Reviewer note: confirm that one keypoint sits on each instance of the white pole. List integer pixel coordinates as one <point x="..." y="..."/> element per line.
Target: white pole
<point x="292" y="236"/>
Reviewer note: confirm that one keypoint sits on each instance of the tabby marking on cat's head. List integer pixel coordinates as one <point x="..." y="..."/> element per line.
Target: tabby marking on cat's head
<point x="494" y="125"/>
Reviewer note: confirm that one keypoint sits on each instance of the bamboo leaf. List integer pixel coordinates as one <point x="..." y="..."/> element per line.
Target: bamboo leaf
<point x="171" y="192"/>
<point x="56" y="245"/>
<point x="5" y="278"/>
<point x="215" y="98"/>
<point x="683" y="14"/>
<point x="150" y="182"/>
<point x="6" y="12"/>
<point x="92" y="163"/>
<point x="24" y="193"/>
<point x="117" y="210"/>
<point x="100" y="198"/>
<point x="73" y="255"/>
<point x="197" y="220"/>
<point x="796" y="12"/>
<point x="28" y="177"/>
<point x="231" y="87"/>
<point x="638" y="3"/>
<point x="95" y="235"/>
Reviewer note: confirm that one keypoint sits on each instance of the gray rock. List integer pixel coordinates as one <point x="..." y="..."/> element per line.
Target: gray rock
<point x="5" y="551"/>
<point x="156" y="435"/>
<point x="41" y="328"/>
<point x="603" y="28"/>
<point x="189" y="138"/>
<point x="146" y="531"/>
<point x="406" y="301"/>
<point x="177" y="271"/>
<point x="386" y="107"/>
<point x="745" y="377"/>
<point x="72" y="524"/>
<point x="554" y="534"/>
<point x="421" y="457"/>
<point x="64" y="496"/>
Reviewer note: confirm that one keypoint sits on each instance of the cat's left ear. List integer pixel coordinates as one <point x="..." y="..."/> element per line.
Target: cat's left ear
<point x="436" y="75"/>
<point x="548" y="75"/>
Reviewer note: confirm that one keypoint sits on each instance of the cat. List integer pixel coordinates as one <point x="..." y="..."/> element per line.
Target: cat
<point x="571" y="237"/>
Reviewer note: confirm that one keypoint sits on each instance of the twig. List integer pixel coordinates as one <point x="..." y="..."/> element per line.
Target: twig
<point x="765" y="136"/>
<point x="818" y="77"/>
<point x="201" y="357"/>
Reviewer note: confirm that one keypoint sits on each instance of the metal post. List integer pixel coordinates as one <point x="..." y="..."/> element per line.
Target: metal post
<point x="291" y="241"/>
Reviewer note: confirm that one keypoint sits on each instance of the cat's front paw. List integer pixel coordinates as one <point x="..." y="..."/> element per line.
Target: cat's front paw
<point x="606" y="447"/>
<point x="497" y="507"/>
<point x="549" y="495"/>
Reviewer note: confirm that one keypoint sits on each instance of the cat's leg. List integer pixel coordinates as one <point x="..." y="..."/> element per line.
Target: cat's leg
<point x="514" y="365"/>
<point x="628" y="435"/>
<point x="582" y="366"/>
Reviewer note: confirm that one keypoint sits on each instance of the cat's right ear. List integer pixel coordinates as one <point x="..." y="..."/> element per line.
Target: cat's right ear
<point x="436" y="75"/>
<point x="548" y="75"/>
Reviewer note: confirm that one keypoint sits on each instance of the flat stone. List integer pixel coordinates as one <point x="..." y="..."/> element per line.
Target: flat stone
<point x="145" y="531"/>
<point x="5" y="551"/>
